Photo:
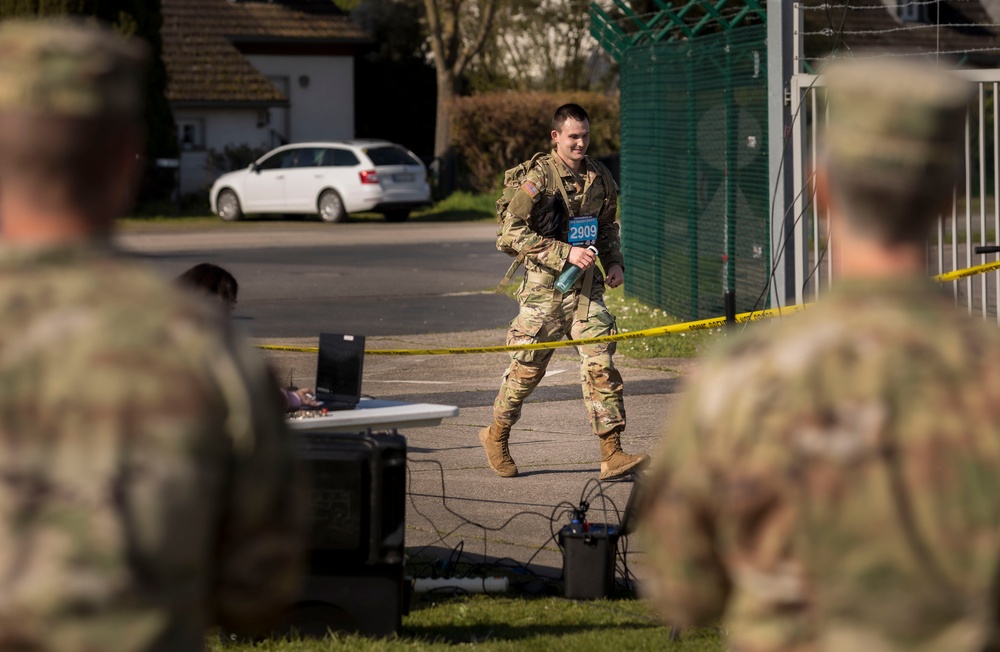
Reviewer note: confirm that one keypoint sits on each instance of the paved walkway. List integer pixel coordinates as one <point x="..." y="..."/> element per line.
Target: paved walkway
<point x="455" y="501"/>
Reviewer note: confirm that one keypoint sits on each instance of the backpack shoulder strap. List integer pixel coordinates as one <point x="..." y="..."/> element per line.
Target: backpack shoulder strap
<point x="606" y="179"/>
<point x="602" y="169"/>
<point x="556" y="178"/>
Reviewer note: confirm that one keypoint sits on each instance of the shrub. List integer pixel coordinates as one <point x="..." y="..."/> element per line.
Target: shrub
<point x="233" y="157"/>
<point x="496" y="131"/>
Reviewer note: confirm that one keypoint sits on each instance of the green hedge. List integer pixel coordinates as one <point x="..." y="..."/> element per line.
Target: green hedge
<point x="496" y="131"/>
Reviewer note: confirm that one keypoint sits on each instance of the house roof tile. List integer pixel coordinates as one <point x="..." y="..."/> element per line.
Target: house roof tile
<point x="200" y="40"/>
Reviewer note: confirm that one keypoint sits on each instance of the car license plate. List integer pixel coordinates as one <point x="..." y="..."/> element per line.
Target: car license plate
<point x="402" y="178"/>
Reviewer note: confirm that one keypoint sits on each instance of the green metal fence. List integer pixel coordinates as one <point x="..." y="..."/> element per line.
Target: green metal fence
<point x="694" y="164"/>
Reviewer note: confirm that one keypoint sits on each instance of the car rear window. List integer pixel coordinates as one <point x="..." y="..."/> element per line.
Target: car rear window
<point x="390" y="156"/>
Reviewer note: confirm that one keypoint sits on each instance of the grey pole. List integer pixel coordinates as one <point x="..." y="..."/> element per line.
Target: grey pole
<point x="780" y="67"/>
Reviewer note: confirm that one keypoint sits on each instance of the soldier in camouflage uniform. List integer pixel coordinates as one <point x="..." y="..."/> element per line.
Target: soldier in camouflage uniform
<point x="147" y="484"/>
<point x="832" y="481"/>
<point x="563" y="202"/>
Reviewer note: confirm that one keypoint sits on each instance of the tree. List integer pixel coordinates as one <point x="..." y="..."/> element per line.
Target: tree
<point x="401" y="55"/>
<point x="450" y="24"/>
<point x="527" y="53"/>
<point x="140" y="18"/>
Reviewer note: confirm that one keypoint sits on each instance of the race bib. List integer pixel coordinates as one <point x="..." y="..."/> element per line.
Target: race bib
<point x="583" y="230"/>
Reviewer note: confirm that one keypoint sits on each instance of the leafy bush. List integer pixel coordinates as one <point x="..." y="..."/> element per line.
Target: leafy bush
<point x="496" y="131"/>
<point x="233" y="157"/>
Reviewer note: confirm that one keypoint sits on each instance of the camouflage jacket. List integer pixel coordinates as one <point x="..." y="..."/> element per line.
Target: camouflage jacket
<point x="832" y="481"/>
<point x="147" y="484"/>
<point x="550" y="254"/>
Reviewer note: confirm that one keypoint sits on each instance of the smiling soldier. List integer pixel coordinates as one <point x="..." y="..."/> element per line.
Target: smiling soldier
<point x="552" y="209"/>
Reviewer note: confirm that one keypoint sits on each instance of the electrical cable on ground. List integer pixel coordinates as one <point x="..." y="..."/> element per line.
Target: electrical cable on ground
<point x="561" y="511"/>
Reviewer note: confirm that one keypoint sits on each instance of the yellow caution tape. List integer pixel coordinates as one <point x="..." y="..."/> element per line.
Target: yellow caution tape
<point x="703" y="324"/>
<point x="649" y="332"/>
<point x="969" y="271"/>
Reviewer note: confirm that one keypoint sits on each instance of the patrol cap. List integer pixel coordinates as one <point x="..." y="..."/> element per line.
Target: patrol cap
<point x="894" y="115"/>
<point x="69" y="68"/>
<point x="893" y="138"/>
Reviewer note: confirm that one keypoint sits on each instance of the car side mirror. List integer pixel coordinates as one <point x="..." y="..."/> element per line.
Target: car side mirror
<point x="252" y="167"/>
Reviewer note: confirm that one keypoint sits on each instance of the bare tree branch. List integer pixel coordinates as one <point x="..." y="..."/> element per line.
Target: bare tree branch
<point x="434" y="29"/>
<point x="488" y="11"/>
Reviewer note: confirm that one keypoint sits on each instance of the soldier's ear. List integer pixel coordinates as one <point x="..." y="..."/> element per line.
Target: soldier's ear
<point x="823" y="196"/>
<point x="554" y="135"/>
<point x="821" y="185"/>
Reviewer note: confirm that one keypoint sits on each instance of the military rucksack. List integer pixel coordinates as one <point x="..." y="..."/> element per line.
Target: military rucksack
<point x="514" y="177"/>
<point x="512" y="180"/>
<point x="551" y="221"/>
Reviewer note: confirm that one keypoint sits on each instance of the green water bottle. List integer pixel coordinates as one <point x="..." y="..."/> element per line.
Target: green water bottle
<point x="570" y="274"/>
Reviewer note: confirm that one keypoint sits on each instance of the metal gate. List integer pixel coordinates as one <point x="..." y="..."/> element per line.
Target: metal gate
<point x="974" y="217"/>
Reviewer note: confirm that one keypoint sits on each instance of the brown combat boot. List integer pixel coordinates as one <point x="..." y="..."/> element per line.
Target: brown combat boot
<point x="614" y="463"/>
<point x="494" y="441"/>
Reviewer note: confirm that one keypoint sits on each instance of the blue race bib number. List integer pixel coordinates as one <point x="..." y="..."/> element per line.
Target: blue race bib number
<point x="583" y="230"/>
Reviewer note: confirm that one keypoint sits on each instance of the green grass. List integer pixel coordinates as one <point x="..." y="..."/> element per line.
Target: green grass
<point x="461" y="206"/>
<point x="457" y="207"/>
<point x="634" y="315"/>
<point x="510" y="624"/>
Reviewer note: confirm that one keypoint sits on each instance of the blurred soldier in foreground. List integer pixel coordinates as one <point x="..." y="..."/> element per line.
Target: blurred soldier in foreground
<point x="832" y="481"/>
<point x="146" y="480"/>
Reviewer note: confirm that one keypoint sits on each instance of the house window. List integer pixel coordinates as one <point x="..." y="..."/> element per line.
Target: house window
<point x="910" y="11"/>
<point x="191" y="134"/>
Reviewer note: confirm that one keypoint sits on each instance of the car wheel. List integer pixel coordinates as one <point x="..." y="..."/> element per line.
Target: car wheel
<point x="331" y="207"/>
<point x="397" y="216"/>
<point x="228" y="205"/>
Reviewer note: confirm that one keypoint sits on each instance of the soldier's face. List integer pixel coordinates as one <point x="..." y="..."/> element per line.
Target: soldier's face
<point x="574" y="139"/>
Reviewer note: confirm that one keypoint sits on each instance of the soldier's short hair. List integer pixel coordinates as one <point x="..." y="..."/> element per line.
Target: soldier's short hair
<point x="893" y="142"/>
<point x="565" y="112"/>
<point x="69" y="92"/>
<point x="216" y="281"/>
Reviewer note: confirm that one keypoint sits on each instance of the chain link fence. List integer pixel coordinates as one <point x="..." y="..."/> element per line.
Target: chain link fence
<point x="694" y="161"/>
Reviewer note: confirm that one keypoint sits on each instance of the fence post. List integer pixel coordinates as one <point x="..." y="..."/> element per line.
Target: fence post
<point x="780" y="47"/>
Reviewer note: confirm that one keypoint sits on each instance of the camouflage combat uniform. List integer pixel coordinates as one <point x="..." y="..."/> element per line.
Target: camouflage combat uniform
<point x="832" y="481"/>
<point x="545" y="314"/>
<point x="147" y="484"/>
<point x="148" y="480"/>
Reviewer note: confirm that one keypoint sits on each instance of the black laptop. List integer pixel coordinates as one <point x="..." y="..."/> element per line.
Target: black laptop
<point x="338" y="370"/>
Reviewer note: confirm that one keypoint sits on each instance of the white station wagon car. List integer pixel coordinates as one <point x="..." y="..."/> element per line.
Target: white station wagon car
<point x="330" y="179"/>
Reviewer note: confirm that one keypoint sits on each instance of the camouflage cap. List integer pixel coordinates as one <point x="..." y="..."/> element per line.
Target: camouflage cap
<point x="894" y="117"/>
<point x="69" y="68"/>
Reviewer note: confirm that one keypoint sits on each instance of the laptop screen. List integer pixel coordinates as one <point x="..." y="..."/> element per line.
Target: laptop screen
<point x="339" y="367"/>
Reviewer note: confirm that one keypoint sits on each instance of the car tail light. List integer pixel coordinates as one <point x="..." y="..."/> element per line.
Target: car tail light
<point x="369" y="176"/>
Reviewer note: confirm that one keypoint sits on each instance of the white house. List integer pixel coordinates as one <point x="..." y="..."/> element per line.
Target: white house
<point x="257" y="72"/>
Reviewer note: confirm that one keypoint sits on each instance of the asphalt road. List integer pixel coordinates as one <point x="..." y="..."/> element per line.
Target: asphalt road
<point x="430" y="286"/>
<point x="299" y="279"/>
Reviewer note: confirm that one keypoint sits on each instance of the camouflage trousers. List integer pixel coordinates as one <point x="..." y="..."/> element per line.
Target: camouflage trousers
<point x="547" y="316"/>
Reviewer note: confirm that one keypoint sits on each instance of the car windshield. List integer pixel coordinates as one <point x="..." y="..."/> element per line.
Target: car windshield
<point x="390" y="155"/>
